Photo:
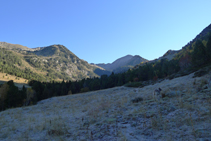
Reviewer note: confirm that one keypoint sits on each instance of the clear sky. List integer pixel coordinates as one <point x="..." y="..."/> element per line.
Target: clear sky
<point x="100" y="31"/>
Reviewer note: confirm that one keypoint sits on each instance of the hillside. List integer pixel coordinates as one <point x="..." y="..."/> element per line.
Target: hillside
<point x="13" y="46"/>
<point x="123" y="64"/>
<point x="54" y="62"/>
<point x="119" y="113"/>
<point x="182" y="60"/>
<point x="6" y="77"/>
<point x="203" y="36"/>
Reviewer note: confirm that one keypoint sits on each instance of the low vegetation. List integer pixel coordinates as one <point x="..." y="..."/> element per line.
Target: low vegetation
<point x="119" y="113"/>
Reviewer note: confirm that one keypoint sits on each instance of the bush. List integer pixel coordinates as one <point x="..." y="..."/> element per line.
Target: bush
<point x="70" y="92"/>
<point x="137" y="99"/>
<point x="200" y="73"/>
<point x="86" y="89"/>
<point x="134" y="84"/>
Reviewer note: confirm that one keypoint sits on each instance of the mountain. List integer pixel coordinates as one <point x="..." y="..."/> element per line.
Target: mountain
<point x="13" y="46"/>
<point x="188" y="48"/>
<point x="183" y="57"/>
<point x="169" y="55"/>
<point x="53" y="62"/>
<point x="123" y="64"/>
<point x="56" y="62"/>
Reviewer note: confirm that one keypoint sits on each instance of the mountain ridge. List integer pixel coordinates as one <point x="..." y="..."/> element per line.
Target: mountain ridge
<point x="13" y="46"/>
<point x="123" y="64"/>
<point x="57" y="61"/>
<point x="54" y="61"/>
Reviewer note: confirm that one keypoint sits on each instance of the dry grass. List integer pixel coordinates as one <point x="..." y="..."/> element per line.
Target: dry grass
<point x="111" y="115"/>
<point x="6" y="77"/>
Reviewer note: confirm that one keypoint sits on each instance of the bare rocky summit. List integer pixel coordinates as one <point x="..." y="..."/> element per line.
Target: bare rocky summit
<point x="120" y="113"/>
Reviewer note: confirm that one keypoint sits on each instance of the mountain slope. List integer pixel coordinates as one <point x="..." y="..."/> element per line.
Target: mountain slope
<point x="186" y="50"/>
<point x="183" y="114"/>
<point x="54" y="62"/>
<point x="123" y="64"/>
<point x="13" y="46"/>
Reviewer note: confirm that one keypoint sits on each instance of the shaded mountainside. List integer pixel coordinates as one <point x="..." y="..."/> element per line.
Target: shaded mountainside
<point x="186" y="50"/>
<point x="54" y="62"/>
<point x="204" y="33"/>
<point x="123" y="64"/>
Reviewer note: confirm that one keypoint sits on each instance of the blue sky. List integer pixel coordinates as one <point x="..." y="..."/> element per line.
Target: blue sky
<point x="100" y="31"/>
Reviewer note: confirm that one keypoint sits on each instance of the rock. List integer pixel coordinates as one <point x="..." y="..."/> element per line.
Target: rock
<point x="203" y="139"/>
<point x="206" y="90"/>
<point x="137" y="99"/>
<point x="203" y="133"/>
<point x="100" y="136"/>
<point x="173" y="93"/>
<point x="150" y="114"/>
<point x="163" y="95"/>
<point x="171" y="109"/>
<point x="124" y="122"/>
<point x="131" y="134"/>
<point x="86" y="124"/>
<point x="119" y="116"/>
<point x="111" y="119"/>
<point x="205" y="87"/>
<point x="134" y="124"/>
<point x="200" y="73"/>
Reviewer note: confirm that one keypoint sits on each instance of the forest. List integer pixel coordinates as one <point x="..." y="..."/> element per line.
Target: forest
<point x="195" y="55"/>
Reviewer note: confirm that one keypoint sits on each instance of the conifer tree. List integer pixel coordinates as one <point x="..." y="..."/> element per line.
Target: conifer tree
<point x="199" y="55"/>
<point x="208" y="48"/>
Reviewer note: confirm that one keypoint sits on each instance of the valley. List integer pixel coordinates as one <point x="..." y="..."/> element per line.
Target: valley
<point x="69" y="99"/>
<point x="105" y="70"/>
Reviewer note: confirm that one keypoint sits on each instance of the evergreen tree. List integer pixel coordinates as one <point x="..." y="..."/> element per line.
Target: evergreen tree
<point x="12" y="99"/>
<point x="208" y="49"/>
<point x="3" y="92"/>
<point x="45" y="93"/>
<point x="199" y="55"/>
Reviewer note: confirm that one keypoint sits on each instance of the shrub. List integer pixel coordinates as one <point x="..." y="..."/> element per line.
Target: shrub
<point x="70" y="92"/>
<point x="134" y="84"/>
<point x="200" y="73"/>
<point x="137" y="99"/>
<point x="86" y="89"/>
<point x="30" y="96"/>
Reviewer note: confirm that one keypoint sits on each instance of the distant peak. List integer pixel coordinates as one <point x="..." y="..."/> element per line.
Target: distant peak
<point x="128" y="55"/>
<point x="136" y="56"/>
